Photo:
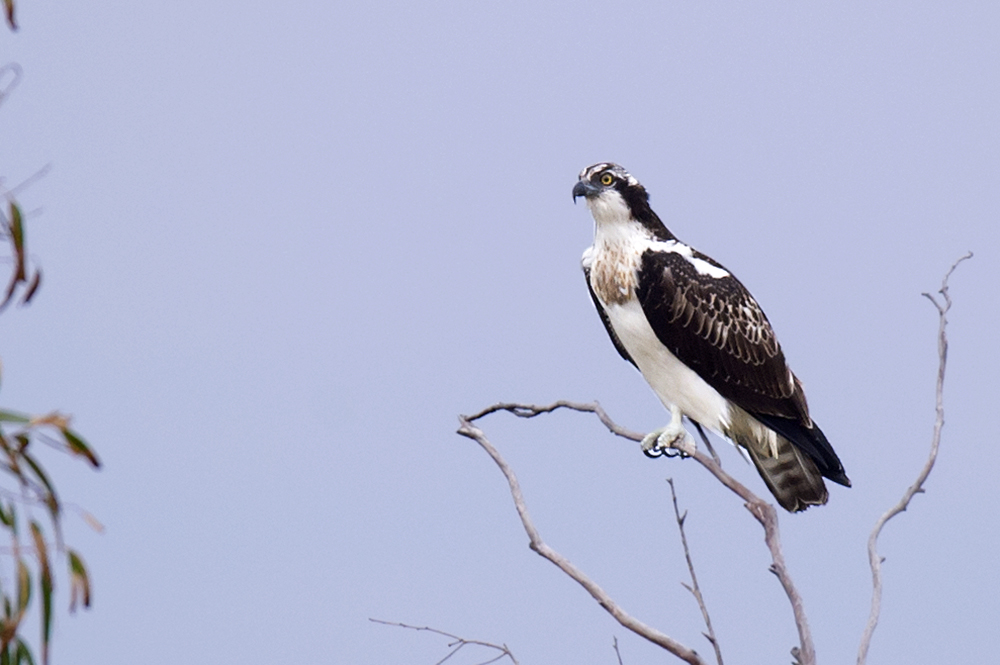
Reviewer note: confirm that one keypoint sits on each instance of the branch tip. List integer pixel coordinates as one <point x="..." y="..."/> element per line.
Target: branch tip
<point x="874" y="559"/>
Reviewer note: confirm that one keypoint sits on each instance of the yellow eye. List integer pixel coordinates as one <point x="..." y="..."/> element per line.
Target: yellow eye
<point x="607" y="179"/>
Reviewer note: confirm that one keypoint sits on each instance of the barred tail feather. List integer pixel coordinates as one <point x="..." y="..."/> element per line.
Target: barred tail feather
<point x="789" y="472"/>
<point x="791" y="476"/>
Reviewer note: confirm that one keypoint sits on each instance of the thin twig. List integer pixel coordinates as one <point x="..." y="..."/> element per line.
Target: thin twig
<point x="457" y="644"/>
<point x="27" y="182"/>
<point x="693" y="587"/>
<point x="763" y="512"/>
<point x="532" y="410"/>
<point x="467" y="429"/>
<point x="16" y="72"/>
<point x="874" y="560"/>
<point x="708" y="444"/>
<point x="617" y="652"/>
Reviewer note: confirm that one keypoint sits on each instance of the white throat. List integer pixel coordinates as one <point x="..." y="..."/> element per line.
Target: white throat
<point x="609" y="209"/>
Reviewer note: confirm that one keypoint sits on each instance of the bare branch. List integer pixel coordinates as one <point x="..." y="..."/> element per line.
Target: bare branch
<point x="762" y="511"/>
<point x="874" y="560"/>
<point x="708" y="444"/>
<point x="694" y="588"/>
<point x="8" y="85"/>
<point x="27" y="182"/>
<point x="470" y="431"/>
<point x="457" y="644"/>
<point x="531" y="410"/>
<point x="617" y="652"/>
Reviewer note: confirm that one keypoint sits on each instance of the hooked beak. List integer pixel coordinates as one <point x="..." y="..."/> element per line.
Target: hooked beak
<point x="584" y="188"/>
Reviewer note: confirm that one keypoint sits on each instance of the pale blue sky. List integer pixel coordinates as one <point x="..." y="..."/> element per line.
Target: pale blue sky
<point x="285" y="244"/>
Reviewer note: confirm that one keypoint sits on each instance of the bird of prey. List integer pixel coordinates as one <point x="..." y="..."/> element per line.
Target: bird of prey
<point x="700" y="340"/>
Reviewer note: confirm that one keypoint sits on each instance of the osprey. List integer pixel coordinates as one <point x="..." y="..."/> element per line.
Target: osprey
<point x="700" y="340"/>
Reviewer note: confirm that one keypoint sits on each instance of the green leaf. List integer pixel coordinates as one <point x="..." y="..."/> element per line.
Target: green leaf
<point x="14" y="417"/>
<point x="23" y="653"/>
<point x="17" y="237"/>
<point x="12" y="514"/>
<point x="15" y="229"/>
<point x="7" y="517"/>
<point x="41" y="548"/>
<point x="78" y="446"/>
<point x="51" y="500"/>
<point x="79" y="581"/>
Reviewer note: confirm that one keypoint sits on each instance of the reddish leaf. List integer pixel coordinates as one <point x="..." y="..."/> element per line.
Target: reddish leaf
<point x="17" y="237"/>
<point x="36" y="281"/>
<point x="23" y="586"/>
<point x="8" y="7"/>
<point x="45" y="579"/>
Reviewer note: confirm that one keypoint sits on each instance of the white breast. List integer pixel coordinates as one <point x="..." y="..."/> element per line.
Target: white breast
<point x="671" y="380"/>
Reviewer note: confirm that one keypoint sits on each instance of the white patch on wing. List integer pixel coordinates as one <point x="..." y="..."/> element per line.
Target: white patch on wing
<point x="701" y="265"/>
<point x="614" y="227"/>
<point x="672" y="381"/>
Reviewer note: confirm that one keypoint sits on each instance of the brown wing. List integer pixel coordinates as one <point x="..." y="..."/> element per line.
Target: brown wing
<point x="714" y="326"/>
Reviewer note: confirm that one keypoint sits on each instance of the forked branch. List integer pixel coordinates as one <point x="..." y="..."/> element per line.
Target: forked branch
<point x="918" y="486"/>
<point x="536" y="543"/>
<point x="457" y="642"/>
<point x="693" y="587"/>
<point x="762" y="511"/>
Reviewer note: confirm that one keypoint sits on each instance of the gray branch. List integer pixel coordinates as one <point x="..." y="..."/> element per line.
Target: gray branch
<point x="693" y="587"/>
<point x="8" y="85"/>
<point x="457" y="643"/>
<point x="536" y="543"/>
<point x="918" y="486"/>
<point x="617" y="652"/>
<point x="762" y="511"/>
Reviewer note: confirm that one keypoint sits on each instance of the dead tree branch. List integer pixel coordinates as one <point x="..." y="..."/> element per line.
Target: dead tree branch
<point x="7" y="86"/>
<point x="918" y="486"/>
<point x="762" y="511"/>
<point x="457" y="643"/>
<point x="693" y="587"/>
<point x="617" y="652"/>
<point x="536" y="543"/>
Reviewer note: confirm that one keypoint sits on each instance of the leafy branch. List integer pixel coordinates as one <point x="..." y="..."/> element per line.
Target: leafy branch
<point x="35" y="542"/>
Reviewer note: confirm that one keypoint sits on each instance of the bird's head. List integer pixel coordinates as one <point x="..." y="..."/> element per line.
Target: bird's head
<point x="614" y="195"/>
<point x="605" y="180"/>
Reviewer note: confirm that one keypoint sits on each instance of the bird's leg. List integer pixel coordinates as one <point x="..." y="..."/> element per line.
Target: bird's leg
<point x="672" y="437"/>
